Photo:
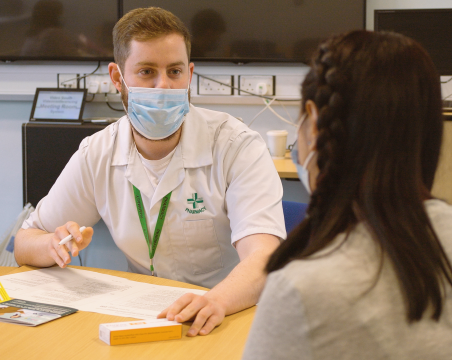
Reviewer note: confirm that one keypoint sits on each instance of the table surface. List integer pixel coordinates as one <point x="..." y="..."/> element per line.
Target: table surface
<point x="77" y="336"/>
<point x="285" y="167"/>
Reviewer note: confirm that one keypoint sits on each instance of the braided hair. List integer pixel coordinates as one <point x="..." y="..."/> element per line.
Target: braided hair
<point x="379" y="134"/>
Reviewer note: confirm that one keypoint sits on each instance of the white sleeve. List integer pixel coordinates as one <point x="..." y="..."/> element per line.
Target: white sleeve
<point x="280" y="328"/>
<point x="254" y="193"/>
<point x="71" y="198"/>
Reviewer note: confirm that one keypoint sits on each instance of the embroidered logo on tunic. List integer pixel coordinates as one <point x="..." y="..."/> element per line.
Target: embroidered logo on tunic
<point x="195" y="201"/>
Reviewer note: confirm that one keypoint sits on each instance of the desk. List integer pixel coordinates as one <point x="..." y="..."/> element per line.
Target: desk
<point x="285" y="167"/>
<point x="77" y="336"/>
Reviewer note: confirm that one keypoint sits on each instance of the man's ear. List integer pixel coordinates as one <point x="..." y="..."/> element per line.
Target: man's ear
<point x="312" y="133"/>
<point x="115" y="76"/>
<point x="191" y="67"/>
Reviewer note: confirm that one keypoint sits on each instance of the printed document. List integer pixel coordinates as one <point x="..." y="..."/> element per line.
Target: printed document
<point x="90" y="291"/>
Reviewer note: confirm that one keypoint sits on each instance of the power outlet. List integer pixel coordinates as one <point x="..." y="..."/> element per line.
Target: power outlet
<point x="99" y="84"/>
<point x="261" y="85"/>
<point x="68" y="81"/>
<point x="209" y="87"/>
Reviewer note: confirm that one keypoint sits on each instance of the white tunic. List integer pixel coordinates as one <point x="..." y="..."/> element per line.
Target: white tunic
<point x="224" y="187"/>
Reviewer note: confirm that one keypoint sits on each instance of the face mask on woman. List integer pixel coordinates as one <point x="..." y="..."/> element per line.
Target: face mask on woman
<point x="302" y="170"/>
<point x="156" y="113"/>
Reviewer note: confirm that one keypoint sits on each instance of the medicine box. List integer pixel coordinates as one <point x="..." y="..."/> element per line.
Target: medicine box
<point x="130" y="332"/>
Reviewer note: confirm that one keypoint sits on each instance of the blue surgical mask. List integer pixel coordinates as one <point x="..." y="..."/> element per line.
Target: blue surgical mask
<point x="302" y="170"/>
<point x="156" y="113"/>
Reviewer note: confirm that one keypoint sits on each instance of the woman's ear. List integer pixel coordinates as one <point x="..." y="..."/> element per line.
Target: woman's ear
<point x="312" y="130"/>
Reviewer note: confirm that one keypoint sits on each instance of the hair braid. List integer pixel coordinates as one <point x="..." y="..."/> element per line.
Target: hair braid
<point x="329" y="98"/>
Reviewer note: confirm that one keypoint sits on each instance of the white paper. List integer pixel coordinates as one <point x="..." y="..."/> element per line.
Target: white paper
<point x="90" y="291"/>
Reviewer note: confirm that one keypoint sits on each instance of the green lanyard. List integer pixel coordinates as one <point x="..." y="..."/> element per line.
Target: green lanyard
<point x="158" y="226"/>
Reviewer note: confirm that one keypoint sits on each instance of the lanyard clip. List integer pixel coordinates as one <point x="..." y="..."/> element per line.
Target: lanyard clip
<point x="152" y="267"/>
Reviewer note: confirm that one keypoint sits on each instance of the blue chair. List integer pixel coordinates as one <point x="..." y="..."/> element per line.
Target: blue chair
<point x="294" y="213"/>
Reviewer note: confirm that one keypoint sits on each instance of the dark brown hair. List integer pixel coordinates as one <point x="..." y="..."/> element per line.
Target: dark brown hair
<point x="379" y="135"/>
<point x="144" y="24"/>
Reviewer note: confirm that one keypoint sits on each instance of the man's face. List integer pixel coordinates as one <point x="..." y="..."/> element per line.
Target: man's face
<point x="158" y="63"/>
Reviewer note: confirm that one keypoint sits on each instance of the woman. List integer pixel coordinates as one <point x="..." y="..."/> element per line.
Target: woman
<point x="367" y="274"/>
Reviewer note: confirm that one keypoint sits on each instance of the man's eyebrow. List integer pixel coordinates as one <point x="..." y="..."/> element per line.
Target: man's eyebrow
<point x="153" y="64"/>
<point x="177" y="63"/>
<point x="146" y="63"/>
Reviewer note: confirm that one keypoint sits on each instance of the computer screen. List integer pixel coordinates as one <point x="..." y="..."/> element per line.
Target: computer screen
<point x="430" y="27"/>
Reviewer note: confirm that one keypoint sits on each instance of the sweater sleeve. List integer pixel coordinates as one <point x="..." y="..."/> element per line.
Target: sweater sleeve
<point x="280" y="329"/>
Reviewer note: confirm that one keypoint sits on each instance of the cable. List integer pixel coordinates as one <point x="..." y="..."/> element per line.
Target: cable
<point x="88" y="101"/>
<point x="280" y="117"/>
<point x="79" y="257"/>
<point x="247" y="92"/>
<point x="268" y="106"/>
<point x="445" y="82"/>
<point x="78" y="78"/>
<point x="290" y="117"/>
<point x="260" y="112"/>
<point x="108" y="104"/>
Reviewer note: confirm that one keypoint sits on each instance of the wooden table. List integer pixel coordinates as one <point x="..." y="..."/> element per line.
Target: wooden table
<point x="285" y="167"/>
<point x="77" y="336"/>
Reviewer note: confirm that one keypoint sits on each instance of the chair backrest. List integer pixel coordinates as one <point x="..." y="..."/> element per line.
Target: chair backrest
<point x="294" y="213"/>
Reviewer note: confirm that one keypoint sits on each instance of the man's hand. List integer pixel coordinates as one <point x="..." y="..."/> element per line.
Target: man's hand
<point x="206" y="312"/>
<point x="239" y="290"/>
<point x="60" y="253"/>
<point x="39" y="248"/>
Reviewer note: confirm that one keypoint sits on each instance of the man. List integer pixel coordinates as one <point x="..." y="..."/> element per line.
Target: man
<point x="212" y="174"/>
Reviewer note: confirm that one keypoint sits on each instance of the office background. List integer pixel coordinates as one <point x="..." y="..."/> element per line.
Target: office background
<point x="19" y="81"/>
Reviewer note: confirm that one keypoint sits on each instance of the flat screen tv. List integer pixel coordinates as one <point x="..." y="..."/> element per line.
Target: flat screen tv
<point x="260" y="30"/>
<point x="223" y="30"/>
<point x="430" y="27"/>
<point x="57" y="29"/>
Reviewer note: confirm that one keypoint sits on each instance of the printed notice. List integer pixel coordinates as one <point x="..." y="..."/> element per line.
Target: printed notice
<point x="91" y="291"/>
<point x="58" y="105"/>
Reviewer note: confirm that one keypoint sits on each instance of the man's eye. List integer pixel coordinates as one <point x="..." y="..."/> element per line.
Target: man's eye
<point x="175" y="72"/>
<point x="145" y="72"/>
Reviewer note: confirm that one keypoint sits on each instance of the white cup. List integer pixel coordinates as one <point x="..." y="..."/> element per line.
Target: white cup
<point x="277" y="140"/>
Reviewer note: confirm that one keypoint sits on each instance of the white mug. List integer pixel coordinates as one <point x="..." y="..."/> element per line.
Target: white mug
<point x="277" y="141"/>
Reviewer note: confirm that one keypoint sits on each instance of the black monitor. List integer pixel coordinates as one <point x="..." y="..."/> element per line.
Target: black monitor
<point x="57" y="29"/>
<point x="222" y="30"/>
<point x="260" y="30"/>
<point x="430" y="27"/>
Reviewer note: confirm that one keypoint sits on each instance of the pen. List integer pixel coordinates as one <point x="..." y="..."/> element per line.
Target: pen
<point x="70" y="237"/>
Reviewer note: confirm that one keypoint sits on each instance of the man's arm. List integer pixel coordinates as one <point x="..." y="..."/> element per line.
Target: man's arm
<point x="39" y="248"/>
<point x="239" y="290"/>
